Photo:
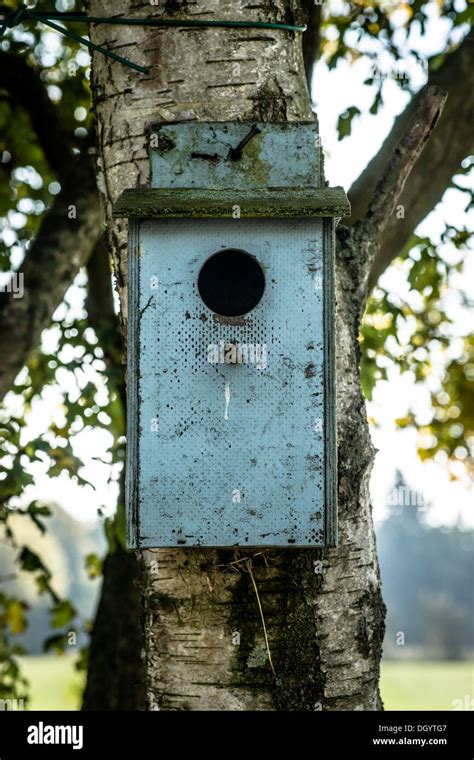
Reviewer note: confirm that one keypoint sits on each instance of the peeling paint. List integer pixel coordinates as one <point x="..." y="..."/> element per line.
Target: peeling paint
<point x="226" y="400"/>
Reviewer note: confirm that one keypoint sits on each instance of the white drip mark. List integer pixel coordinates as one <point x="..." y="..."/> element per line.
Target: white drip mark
<point x="227" y="400"/>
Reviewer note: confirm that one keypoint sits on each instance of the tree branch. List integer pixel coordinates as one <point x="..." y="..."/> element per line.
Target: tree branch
<point x="311" y="38"/>
<point x="449" y="144"/>
<point x="62" y="247"/>
<point x="358" y="245"/>
<point x="100" y="298"/>
<point x="405" y="156"/>
<point x="454" y="76"/>
<point x="24" y="83"/>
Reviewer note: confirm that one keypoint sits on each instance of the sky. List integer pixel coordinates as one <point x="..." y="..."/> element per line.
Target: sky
<point x="448" y="501"/>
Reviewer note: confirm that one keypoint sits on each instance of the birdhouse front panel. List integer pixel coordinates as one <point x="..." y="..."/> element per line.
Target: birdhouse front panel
<point x="230" y="362"/>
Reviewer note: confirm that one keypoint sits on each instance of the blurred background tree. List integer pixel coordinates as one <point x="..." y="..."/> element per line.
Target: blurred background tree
<point x="62" y="336"/>
<point x="427" y="595"/>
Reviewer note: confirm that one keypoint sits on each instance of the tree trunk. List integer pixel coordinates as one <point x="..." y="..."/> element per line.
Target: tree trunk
<point x="115" y="675"/>
<point x="205" y="642"/>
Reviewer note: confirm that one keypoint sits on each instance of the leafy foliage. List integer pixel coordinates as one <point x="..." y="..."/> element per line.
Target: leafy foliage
<point x="386" y="34"/>
<point x="410" y="333"/>
<point x="25" y="196"/>
<point x="91" y="401"/>
<point x="398" y="332"/>
<point x="31" y="185"/>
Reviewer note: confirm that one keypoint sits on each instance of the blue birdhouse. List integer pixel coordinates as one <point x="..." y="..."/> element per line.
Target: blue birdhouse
<point x="231" y="387"/>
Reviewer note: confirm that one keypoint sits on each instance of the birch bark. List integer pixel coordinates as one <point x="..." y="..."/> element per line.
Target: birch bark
<point x="205" y="644"/>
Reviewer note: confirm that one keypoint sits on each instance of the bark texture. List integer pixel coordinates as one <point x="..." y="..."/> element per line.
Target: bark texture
<point x="205" y="644"/>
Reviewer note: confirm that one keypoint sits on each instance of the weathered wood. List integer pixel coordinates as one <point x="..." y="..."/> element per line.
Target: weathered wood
<point x="203" y="468"/>
<point x="248" y="156"/>
<point x="158" y="203"/>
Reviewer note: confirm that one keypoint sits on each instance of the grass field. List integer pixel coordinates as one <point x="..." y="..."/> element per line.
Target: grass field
<point x="54" y="682"/>
<point x="55" y="685"/>
<point x="427" y="685"/>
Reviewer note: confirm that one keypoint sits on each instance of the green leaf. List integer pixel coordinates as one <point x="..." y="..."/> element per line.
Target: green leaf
<point x="93" y="565"/>
<point x="14" y="616"/>
<point x="378" y="100"/>
<point x="30" y="562"/>
<point x="62" y="613"/>
<point x="344" y="122"/>
<point x="56" y="643"/>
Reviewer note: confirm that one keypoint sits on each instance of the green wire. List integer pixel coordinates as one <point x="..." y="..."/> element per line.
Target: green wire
<point x="93" y="46"/>
<point x="23" y="14"/>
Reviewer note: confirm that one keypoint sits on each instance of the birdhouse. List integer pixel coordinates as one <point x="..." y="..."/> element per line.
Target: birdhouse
<point x="231" y="387"/>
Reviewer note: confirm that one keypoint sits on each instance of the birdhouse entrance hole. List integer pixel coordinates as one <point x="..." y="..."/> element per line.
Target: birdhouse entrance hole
<point x="231" y="282"/>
